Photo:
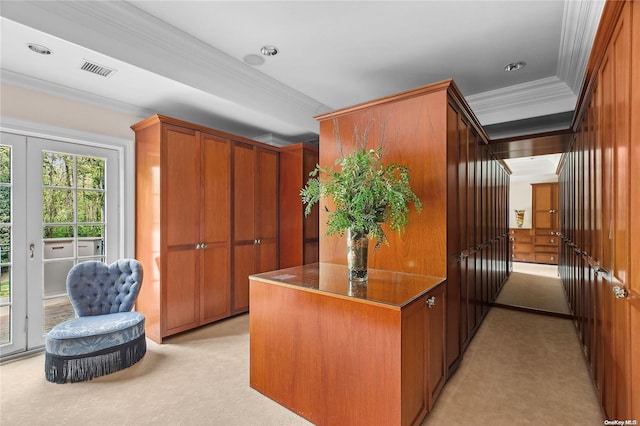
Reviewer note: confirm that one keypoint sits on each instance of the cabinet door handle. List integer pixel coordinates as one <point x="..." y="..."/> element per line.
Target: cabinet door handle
<point x="620" y="292"/>
<point x="198" y="247"/>
<point x="431" y="302"/>
<point x="203" y="246"/>
<point x="32" y="248"/>
<point x="552" y="211"/>
<point x="258" y="241"/>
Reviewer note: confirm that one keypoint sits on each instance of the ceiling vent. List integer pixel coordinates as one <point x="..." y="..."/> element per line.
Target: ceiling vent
<point x="94" y="68"/>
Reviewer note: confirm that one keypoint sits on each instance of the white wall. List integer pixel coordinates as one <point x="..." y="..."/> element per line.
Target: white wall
<point x="520" y="197"/>
<point x="35" y="113"/>
<point x="39" y="107"/>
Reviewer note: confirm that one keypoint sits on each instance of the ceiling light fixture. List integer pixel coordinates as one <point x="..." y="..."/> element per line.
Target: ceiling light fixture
<point x="39" y="49"/>
<point x="269" y="50"/>
<point x="515" y="66"/>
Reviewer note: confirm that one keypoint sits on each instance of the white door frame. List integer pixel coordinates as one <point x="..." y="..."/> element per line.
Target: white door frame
<point x="126" y="182"/>
<point x="35" y="147"/>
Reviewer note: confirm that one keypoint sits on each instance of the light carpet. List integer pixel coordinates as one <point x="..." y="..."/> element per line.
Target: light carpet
<point x="520" y="369"/>
<point x="196" y="378"/>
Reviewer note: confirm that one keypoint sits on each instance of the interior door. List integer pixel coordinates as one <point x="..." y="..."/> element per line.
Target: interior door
<point x="62" y="209"/>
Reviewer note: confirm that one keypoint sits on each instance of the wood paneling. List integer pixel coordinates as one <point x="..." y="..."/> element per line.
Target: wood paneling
<point x="363" y="362"/>
<point x="462" y="230"/>
<point x="599" y="192"/>
<point x="183" y="221"/>
<point x="255" y="218"/>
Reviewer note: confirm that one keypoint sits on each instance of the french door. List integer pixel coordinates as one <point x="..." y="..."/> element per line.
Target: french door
<point x="58" y="207"/>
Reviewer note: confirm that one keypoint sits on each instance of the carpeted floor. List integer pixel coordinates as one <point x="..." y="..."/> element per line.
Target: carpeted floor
<point x="534" y="286"/>
<point x="520" y="369"/>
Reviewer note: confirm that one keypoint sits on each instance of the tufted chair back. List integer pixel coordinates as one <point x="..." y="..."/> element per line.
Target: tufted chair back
<point x="96" y="288"/>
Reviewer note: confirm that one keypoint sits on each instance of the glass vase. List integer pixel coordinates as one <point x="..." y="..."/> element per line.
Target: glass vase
<point x="357" y="255"/>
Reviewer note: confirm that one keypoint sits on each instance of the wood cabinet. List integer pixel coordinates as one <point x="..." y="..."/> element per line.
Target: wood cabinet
<point x="183" y="224"/>
<point x="599" y="193"/>
<point x="522" y="245"/>
<point x="545" y="208"/>
<point x="299" y="235"/>
<point x="255" y="217"/>
<point x="339" y="359"/>
<point x="545" y="222"/>
<point x="463" y="231"/>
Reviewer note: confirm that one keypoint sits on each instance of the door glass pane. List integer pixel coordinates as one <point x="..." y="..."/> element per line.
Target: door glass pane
<point x="57" y="169"/>
<point x="57" y="205"/>
<point x="5" y="244"/>
<point x="74" y="197"/>
<point x="91" y="173"/>
<point x="5" y="324"/>
<point x="56" y="310"/>
<point x="90" y="206"/>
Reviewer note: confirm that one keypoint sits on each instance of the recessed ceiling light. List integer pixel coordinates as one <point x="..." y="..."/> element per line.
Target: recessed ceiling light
<point x="39" y="49"/>
<point x="254" y="59"/>
<point x="269" y="50"/>
<point x="515" y="66"/>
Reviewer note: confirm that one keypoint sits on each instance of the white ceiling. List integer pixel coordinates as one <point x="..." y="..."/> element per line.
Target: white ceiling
<point x="185" y="58"/>
<point x="533" y="169"/>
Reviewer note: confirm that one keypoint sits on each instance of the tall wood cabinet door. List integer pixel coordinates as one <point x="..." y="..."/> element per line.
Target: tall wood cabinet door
<point x="244" y="224"/>
<point x="244" y="264"/>
<point x="267" y="213"/>
<point x="216" y="193"/>
<point x="215" y="294"/>
<point x="180" y="290"/>
<point x="180" y="204"/>
<point x="215" y="230"/>
<point x="437" y="342"/>
<point x="455" y="134"/>
<point x="545" y="207"/>
<point x="244" y="203"/>
<point x="267" y="195"/>
<point x="180" y="216"/>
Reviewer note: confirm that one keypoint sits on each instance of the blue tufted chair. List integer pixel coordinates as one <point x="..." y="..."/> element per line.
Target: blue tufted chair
<point x="105" y="336"/>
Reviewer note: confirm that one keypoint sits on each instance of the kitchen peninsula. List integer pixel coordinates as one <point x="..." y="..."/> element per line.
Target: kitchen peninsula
<point x="341" y="354"/>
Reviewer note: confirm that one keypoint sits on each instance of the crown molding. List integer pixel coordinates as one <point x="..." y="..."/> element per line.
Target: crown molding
<point x="109" y="28"/>
<point x="553" y="94"/>
<point x="579" y="26"/>
<point x="540" y="97"/>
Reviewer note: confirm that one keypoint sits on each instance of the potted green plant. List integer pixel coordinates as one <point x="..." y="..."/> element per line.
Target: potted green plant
<point x="367" y="193"/>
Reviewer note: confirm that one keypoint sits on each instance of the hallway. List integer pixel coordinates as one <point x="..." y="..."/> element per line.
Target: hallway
<point x="520" y="369"/>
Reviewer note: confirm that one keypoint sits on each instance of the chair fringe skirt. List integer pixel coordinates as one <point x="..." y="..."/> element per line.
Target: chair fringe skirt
<point x="79" y="368"/>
